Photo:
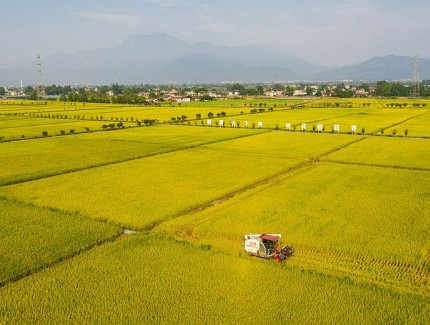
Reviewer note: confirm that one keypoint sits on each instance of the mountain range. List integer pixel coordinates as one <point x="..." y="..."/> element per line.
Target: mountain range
<point x="162" y="59"/>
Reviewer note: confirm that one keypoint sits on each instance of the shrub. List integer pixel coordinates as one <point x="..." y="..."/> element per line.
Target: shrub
<point x="406" y="132"/>
<point x="63" y="132"/>
<point x="363" y="130"/>
<point x="206" y="247"/>
<point x="72" y="131"/>
<point x="45" y="133"/>
<point x="393" y="131"/>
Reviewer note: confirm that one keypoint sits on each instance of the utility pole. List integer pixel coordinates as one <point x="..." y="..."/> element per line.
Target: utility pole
<point x="40" y="89"/>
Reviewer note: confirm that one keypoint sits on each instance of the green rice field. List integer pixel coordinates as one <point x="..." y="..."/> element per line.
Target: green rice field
<point x="143" y="223"/>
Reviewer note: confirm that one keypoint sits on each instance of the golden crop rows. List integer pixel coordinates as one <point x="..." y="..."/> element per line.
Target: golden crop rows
<point x="356" y="209"/>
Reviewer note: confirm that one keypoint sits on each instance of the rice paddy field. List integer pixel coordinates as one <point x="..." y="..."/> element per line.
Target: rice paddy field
<point x="144" y="224"/>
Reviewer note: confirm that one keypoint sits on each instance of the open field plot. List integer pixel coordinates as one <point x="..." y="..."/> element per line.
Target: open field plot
<point x="31" y="237"/>
<point x="368" y="102"/>
<point x="386" y="151"/>
<point x="12" y="122"/>
<point x="416" y="127"/>
<point x="294" y="145"/>
<point x="369" y="222"/>
<point x="143" y="192"/>
<point x="52" y="129"/>
<point x="24" y="106"/>
<point x="27" y="160"/>
<point x="14" y="127"/>
<point x="374" y="121"/>
<point x="250" y="102"/>
<point x="150" y="279"/>
<point x="293" y="116"/>
<point x="164" y="113"/>
<point x="355" y="208"/>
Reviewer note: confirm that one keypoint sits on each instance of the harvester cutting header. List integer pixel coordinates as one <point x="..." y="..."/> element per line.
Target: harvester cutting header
<point x="266" y="246"/>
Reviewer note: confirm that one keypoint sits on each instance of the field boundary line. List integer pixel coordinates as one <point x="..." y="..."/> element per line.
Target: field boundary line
<point x="309" y="162"/>
<point x="398" y="123"/>
<point x="61" y="259"/>
<point x="119" y="161"/>
<point x="225" y="197"/>
<point x="423" y="169"/>
<point x="32" y="125"/>
<point x="188" y="229"/>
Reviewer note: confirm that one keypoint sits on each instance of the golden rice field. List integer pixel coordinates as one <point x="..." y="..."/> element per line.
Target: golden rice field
<point x="39" y="158"/>
<point x="371" y="120"/>
<point x="356" y="208"/>
<point x="31" y="237"/>
<point x="151" y="279"/>
<point x="183" y="179"/>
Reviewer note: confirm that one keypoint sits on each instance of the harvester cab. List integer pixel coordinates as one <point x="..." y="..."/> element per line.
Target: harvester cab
<point x="266" y="246"/>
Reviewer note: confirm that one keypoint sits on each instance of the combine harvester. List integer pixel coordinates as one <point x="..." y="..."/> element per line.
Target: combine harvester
<point x="266" y="246"/>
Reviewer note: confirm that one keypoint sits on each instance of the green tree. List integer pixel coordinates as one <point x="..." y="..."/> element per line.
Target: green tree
<point x="237" y="87"/>
<point x="116" y="89"/>
<point x="260" y="90"/>
<point x="2" y="91"/>
<point x="364" y="86"/>
<point x="289" y="91"/>
<point x="33" y="95"/>
<point x="278" y="87"/>
<point x="28" y="90"/>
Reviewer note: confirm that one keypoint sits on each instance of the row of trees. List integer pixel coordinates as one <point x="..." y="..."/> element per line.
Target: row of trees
<point x="91" y="97"/>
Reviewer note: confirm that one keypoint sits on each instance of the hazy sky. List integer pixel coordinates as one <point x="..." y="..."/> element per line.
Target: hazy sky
<point x="328" y="32"/>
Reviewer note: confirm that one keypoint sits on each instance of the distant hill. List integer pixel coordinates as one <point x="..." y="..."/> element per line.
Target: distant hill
<point x="159" y="58"/>
<point x="388" y="68"/>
